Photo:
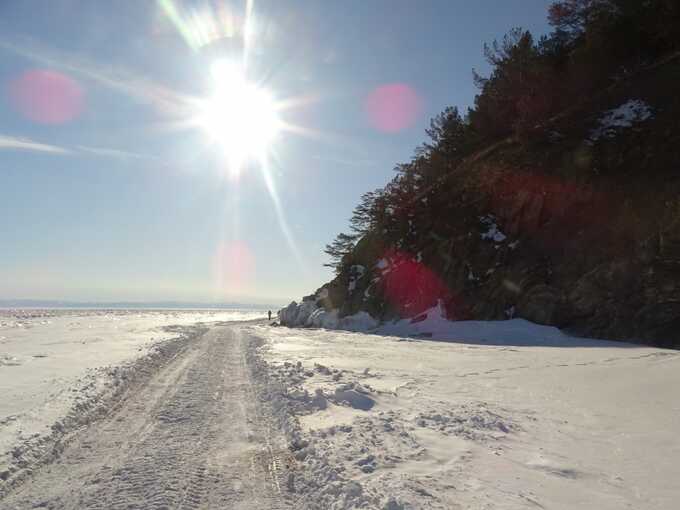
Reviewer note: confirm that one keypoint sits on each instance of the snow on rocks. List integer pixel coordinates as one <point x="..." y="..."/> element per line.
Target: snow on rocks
<point x="625" y="116"/>
<point x="321" y="318"/>
<point x="356" y="272"/>
<point x="382" y="264"/>
<point x="360" y="321"/>
<point x="434" y="324"/>
<point x="492" y="231"/>
<point x="297" y="314"/>
<point x="471" y="276"/>
<point x="309" y="314"/>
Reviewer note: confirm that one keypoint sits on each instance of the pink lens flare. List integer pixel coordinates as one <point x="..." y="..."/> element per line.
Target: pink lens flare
<point x="394" y="107"/>
<point x="47" y="97"/>
<point x="548" y="204"/>
<point x="411" y="287"/>
<point x="235" y="265"/>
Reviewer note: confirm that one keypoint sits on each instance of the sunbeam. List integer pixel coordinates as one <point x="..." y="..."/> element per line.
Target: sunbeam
<point x="280" y="215"/>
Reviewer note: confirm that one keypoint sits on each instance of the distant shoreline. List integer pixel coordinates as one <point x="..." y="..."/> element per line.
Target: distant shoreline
<point x="144" y="308"/>
<point x="75" y="305"/>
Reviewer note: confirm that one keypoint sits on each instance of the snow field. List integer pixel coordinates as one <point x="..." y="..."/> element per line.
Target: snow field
<point x="518" y="418"/>
<point x="59" y="369"/>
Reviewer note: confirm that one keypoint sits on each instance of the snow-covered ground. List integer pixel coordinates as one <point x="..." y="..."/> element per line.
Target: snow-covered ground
<point x="502" y="414"/>
<point x="55" y="361"/>
<point x="189" y="434"/>
<point x="427" y="414"/>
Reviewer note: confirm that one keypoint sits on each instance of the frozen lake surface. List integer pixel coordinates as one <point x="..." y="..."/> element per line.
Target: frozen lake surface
<point x="105" y="408"/>
<point x="51" y="358"/>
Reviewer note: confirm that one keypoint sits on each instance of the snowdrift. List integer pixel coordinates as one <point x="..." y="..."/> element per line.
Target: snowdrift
<point x="434" y="324"/>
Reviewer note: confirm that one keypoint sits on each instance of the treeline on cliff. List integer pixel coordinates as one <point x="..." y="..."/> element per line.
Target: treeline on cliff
<point x="450" y="188"/>
<point x="593" y="43"/>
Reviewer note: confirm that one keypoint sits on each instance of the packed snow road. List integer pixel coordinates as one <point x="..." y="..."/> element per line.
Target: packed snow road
<point x="191" y="437"/>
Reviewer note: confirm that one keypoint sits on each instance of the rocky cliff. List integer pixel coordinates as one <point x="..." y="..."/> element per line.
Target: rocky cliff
<point x="578" y="228"/>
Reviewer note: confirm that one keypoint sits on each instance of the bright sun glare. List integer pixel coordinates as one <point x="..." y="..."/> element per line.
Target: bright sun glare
<point x="240" y="116"/>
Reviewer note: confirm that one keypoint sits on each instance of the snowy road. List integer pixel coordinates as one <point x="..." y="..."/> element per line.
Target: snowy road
<point x="191" y="437"/>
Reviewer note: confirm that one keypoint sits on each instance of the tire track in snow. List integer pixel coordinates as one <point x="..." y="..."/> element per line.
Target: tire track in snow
<point x="192" y="438"/>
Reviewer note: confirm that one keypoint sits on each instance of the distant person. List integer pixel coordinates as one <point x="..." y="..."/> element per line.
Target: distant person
<point x="270" y="314"/>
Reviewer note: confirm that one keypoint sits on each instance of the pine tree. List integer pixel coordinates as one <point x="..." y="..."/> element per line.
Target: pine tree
<point x="342" y="245"/>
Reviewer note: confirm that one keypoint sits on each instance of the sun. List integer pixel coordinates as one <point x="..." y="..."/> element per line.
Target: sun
<point x="240" y="117"/>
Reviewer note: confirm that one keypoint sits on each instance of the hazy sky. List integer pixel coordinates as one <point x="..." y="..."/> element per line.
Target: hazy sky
<point x="109" y="191"/>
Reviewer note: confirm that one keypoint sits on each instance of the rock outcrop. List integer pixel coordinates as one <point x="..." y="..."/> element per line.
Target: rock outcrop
<point x="573" y="230"/>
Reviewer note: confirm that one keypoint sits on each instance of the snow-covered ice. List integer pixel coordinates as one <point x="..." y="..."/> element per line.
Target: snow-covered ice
<point x="427" y="414"/>
<point x="183" y="429"/>
<point x="502" y="414"/>
<point x="52" y="361"/>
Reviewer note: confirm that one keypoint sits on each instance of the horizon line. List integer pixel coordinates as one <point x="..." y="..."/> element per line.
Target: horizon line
<point x="65" y="303"/>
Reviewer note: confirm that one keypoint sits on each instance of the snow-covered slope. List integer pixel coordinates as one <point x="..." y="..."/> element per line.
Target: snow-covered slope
<point x="501" y="415"/>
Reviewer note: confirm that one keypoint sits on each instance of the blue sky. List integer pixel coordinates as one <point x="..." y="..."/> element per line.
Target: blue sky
<point x="118" y="197"/>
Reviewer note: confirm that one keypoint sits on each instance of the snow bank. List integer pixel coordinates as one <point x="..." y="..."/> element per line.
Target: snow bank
<point x="297" y="314"/>
<point x="433" y="324"/>
<point x="360" y="321"/>
<point x="321" y="318"/>
<point x="356" y="272"/>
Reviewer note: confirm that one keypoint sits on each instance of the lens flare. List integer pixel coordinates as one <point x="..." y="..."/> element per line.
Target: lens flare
<point x="411" y="287"/>
<point x="240" y="117"/>
<point x="203" y="25"/>
<point x="47" y="97"/>
<point x="280" y="214"/>
<point x="234" y="266"/>
<point x="393" y="107"/>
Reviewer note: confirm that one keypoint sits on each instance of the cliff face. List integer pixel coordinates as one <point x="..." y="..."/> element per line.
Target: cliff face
<point x="579" y="228"/>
